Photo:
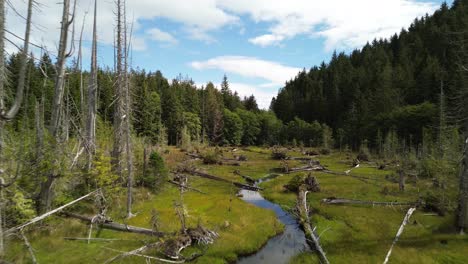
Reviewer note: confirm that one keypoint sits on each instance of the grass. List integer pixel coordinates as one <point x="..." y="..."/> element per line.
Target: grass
<point x="349" y="234"/>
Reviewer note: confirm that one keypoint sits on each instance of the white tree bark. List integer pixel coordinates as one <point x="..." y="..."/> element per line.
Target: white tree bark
<point x="23" y="67"/>
<point x="92" y="98"/>
<point x="60" y="68"/>
<point x="400" y="231"/>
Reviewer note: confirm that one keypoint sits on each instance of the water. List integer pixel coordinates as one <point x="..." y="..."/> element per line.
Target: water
<point x="280" y="248"/>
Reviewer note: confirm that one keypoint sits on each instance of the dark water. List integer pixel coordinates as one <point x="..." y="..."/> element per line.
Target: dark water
<point x="281" y="248"/>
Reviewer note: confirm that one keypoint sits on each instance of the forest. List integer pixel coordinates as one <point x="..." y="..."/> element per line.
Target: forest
<point x="357" y="155"/>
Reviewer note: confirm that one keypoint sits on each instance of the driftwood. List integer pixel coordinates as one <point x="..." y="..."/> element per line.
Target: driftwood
<point x="400" y="231"/>
<point x="186" y="187"/>
<point x="109" y="224"/>
<point x="311" y="237"/>
<point x="216" y="178"/>
<point x="339" y="201"/>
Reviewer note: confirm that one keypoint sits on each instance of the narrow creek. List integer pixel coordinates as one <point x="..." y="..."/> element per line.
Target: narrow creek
<point x="281" y="248"/>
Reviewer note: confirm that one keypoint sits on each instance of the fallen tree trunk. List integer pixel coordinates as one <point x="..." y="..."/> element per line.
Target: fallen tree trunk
<point x="186" y="187"/>
<point x="216" y="178"/>
<point x="310" y="167"/>
<point x="400" y="231"/>
<point x="338" y="201"/>
<point x="245" y="177"/>
<point x="41" y="217"/>
<point x="108" y="224"/>
<point x="311" y="237"/>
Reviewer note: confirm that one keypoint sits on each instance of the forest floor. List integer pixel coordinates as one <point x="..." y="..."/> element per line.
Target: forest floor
<point x="349" y="233"/>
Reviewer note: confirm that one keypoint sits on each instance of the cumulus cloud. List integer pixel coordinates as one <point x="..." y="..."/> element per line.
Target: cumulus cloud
<point x="262" y="95"/>
<point x="273" y="72"/>
<point x="273" y="75"/>
<point x="343" y="24"/>
<point x="161" y="36"/>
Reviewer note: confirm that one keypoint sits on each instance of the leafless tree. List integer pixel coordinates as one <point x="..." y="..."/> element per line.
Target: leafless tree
<point x="92" y="98"/>
<point x="62" y="56"/>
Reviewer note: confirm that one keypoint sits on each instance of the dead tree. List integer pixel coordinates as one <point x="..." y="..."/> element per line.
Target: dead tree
<point x="400" y="231"/>
<point x="119" y="91"/>
<point x="62" y="56"/>
<point x="14" y="109"/>
<point x="90" y="137"/>
<point x="311" y="237"/>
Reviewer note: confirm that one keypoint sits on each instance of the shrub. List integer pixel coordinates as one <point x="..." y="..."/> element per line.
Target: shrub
<point x="434" y="203"/>
<point x="278" y="153"/>
<point x="325" y="151"/>
<point x="211" y="157"/>
<point x="156" y="173"/>
<point x="294" y="184"/>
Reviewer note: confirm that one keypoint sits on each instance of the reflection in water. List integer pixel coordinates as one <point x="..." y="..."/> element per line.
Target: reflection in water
<point x="281" y="248"/>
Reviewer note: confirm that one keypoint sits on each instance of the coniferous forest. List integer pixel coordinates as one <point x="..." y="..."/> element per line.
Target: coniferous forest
<point x="119" y="164"/>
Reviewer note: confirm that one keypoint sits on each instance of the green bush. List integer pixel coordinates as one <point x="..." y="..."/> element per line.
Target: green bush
<point x="156" y="174"/>
<point x="211" y="157"/>
<point x="434" y="203"/>
<point x="294" y="184"/>
<point x="278" y="154"/>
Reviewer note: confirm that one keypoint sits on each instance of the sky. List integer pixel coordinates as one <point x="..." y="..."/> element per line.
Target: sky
<point x="258" y="44"/>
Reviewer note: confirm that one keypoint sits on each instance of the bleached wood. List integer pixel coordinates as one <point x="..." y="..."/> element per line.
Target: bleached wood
<point x="400" y="231"/>
<point x="43" y="216"/>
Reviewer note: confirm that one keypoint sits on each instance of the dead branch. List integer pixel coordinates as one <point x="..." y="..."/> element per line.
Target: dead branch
<point x="312" y="238"/>
<point x="186" y="187"/>
<point x="339" y="201"/>
<point x="41" y="217"/>
<point x="109" y="224"/>
<point x="400" y="231"/>
<point x="216" y="178"/>
<point x="245" y="177"/>
<point x="28" y="245"/>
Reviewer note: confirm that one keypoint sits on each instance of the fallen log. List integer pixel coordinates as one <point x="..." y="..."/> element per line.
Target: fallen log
<point x="109" y="224"/>
<point x="41" y="217"/>
<point x="311" y="237"/>
<point x="315" y="167"/>
<point x="186" y="187"/>
<point x="400" y="231"/>
<point x="245" y="177"/>
<point x="339" y="201"/>
<point x="216" y="178"/>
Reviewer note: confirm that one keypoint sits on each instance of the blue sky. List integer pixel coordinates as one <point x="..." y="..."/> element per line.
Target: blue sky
<point x="258" y="44"/>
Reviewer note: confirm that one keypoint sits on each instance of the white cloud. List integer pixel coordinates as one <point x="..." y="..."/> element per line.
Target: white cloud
<point x="341" y="23"/>
<point x="263" y="96"/>
<point x="161" y="36"/>
<point x="273" y="72"/>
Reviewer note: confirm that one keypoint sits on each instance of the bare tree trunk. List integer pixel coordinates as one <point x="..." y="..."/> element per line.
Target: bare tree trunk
<point x="128" y="114"/>
<point x="401" y="182"/>
<point x="463" y="196"/>
<point x="23" y="67"/>
<point x="92" y="98"/>
<point x="60" y="68"/>
<point x="119" y="113"/>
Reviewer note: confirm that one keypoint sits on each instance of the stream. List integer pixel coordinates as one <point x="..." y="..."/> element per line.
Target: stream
<point x="280" y="248"/>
